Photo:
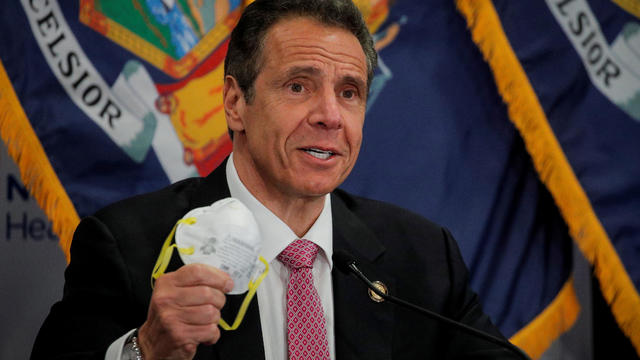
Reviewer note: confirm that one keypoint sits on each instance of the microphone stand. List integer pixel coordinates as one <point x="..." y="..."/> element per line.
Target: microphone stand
<point x="354" y="269"/>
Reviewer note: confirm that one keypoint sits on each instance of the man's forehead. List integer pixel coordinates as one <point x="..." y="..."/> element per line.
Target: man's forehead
<point x="303" y="36"/>
<point x="291" y="26"/>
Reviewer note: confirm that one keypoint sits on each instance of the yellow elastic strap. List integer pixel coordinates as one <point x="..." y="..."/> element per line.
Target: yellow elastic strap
<point x="253" y="286"/>
<point x="167" y="250"/>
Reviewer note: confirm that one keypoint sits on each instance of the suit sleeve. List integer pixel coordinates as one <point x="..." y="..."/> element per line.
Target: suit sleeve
<point x="98" y="304"/>
<point x="465" y="307"/>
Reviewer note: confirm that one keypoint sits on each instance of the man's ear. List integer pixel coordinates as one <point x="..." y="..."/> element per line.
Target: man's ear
<point x="234" y="104"/>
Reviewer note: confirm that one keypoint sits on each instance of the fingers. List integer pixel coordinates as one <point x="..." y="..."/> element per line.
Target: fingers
<point x="204" y="334"/>
<point x="200" y="274"/>
<point x="193" y="284"/>
<point x="185" y="311"/>
<point x="200" y="315"/>
<point x="198" y="295"/>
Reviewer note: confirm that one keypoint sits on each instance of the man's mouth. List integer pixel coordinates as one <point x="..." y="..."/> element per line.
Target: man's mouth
<point x="319" y="154"/>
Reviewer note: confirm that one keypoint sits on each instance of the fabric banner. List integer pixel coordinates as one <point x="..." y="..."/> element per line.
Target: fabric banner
<point x="101" y="100"/>
<point x="569" y="72"/>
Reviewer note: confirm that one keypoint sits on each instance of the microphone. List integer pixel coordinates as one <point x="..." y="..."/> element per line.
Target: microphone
<point x="347" y="264"/>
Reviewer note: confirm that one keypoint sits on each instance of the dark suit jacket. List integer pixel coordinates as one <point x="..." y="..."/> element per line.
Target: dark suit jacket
<point x="107" y="289"/>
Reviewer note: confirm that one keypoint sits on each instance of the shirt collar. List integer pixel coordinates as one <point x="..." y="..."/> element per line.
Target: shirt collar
<point x="276" y="235"/>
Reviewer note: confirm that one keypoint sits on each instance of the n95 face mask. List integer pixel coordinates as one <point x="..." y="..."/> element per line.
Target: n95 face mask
<point x="224" y="235"/>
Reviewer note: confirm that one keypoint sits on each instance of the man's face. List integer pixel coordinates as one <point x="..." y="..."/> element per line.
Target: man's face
<point x="301" y="134"/>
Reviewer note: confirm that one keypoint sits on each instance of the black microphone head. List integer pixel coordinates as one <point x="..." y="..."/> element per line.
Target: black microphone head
<point x="342" y="259"/>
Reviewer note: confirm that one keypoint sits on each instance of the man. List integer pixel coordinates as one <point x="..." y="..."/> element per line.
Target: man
<point x="296" y="81"/>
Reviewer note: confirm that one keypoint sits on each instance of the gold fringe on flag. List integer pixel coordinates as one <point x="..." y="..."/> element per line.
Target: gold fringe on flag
<point x="553" y="167"/>
<point x="630" y="6"/>
<point x="553" y="321"/>
<point x="35" y="170"/>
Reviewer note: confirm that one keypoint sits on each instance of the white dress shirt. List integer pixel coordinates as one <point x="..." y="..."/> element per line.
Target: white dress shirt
<point x="272" y="293"/>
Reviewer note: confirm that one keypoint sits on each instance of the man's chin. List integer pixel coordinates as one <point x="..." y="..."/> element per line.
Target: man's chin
<point x="319" y="189"/>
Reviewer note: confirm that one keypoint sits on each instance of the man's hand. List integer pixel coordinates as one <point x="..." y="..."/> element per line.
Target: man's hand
<point x="184" y="312"/>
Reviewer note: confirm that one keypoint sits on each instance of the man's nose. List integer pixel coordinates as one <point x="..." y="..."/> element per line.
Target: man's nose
<point x="327" y="113"/>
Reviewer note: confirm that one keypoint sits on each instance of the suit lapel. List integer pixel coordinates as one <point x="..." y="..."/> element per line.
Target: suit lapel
<point x="212" y="188"/>
<point x="243" y="343"/>
<point x="246" y="341"/>
<point x="363" y="328"/>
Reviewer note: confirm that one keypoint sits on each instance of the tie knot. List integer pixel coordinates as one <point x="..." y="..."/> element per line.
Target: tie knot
<point x="299" y="254"/>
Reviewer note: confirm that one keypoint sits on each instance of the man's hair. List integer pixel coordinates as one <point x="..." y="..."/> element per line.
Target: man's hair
<point x="244" y="56"/>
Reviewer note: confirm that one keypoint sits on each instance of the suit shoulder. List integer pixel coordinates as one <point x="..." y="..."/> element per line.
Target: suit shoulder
<point x="373" y="211"/>
<point x="170" y="199"/>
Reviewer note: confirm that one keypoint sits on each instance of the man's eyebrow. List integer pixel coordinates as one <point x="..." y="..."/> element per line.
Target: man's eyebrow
<point x="360" y="83"/>
<point x="310" y="70"/>
<point x="302" y="70"/>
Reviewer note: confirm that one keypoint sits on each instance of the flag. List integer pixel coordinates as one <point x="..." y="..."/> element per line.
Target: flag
<point x="101" y="100"/>
<point x="438" y="140"/>
<point x="569" y="72"/>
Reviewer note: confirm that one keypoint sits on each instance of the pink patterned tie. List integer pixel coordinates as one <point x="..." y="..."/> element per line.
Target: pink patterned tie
<point x="305" y="318"/>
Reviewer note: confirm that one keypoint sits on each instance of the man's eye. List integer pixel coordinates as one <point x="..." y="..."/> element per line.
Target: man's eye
<point x="348" y="94"/>
<point x="295" y="87"/>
